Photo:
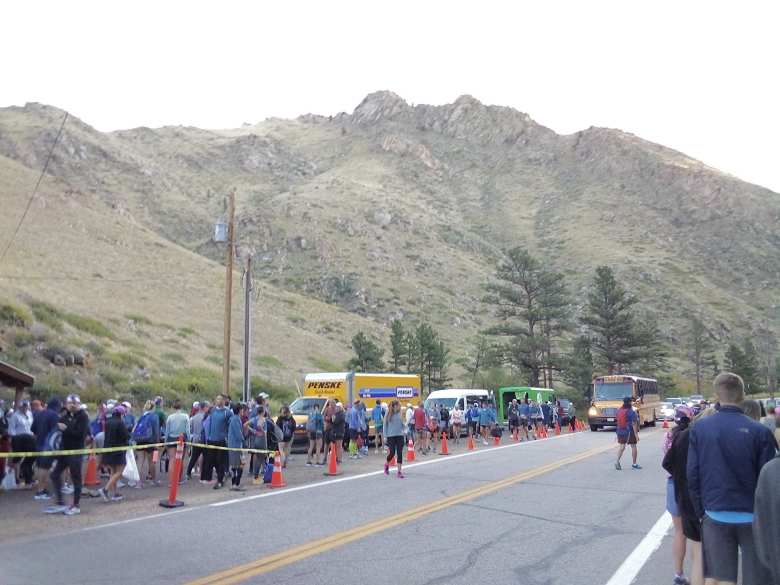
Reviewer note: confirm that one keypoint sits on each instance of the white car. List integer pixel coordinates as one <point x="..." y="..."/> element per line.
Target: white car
<point x="664" y="411"/>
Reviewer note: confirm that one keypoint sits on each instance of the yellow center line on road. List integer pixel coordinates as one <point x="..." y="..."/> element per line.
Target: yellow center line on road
<point x="298" y="553"/>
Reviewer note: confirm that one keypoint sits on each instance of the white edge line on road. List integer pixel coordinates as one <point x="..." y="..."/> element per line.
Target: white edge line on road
<point x="630" y="568"/>
<point x="308" y="486"/>
<point x="435" y="459"/>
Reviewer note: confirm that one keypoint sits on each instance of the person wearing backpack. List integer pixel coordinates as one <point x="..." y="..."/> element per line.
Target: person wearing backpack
<point x="44" y="424"/>
<point x="378" y="416"/>
<point x="236" y="441"/>
<point x="219" y="419"/>
<point x="444" y="420"/>
<point x="74" y="426"/>
<point x="286" y="422"/>
<point x="338" y="430"/>
<point x="627" y="432"/>
<point x="315" y="428"/>
<point x="513" y="416"/>
<point x="147" y="432"/>
<point x="255" y="427"/>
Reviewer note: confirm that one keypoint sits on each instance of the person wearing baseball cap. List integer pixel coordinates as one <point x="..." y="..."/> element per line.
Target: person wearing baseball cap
<point x="74" y="425"/>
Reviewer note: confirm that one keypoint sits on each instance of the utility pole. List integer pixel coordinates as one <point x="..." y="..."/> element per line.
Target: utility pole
<point x="228" y="293"/>
<point x="247" y="325"/>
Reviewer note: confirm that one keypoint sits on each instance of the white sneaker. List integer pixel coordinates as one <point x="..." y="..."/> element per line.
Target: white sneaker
<point x="104" y="494"/>
<point x="67" y="489"/>
<point x="57" y="509"/>
<point x="72" y="511"/>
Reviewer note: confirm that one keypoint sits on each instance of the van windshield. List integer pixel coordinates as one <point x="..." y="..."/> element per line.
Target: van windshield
<point x="305" y="405"/>
<point x="446" y="402"/>
<point x="614" y="391"/>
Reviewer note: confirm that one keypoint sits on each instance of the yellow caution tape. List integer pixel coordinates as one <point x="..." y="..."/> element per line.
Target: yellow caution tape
<point x="96" y="451"/>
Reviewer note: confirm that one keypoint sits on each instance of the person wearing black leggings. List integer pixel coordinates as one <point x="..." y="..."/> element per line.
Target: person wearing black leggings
<point x="74" y="425"/>
<point x="394" y="435"/>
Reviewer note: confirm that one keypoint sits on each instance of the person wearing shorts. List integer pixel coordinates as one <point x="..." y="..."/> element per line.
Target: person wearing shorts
<point x="627" y="433"/>
<point x="315" y="427"/>
<point x="420" y="429"/>
<point x="472" y="417"/>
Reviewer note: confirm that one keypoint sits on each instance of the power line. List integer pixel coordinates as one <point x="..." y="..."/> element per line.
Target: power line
<point x="35" y="190"/>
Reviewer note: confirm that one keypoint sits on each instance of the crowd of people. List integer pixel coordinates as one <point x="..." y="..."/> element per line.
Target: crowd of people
<point x="723" y="490"/>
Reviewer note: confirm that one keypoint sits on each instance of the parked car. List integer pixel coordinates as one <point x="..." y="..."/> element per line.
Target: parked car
<point x="568" y="411"/>
<point x="695" y="399"/>
<point x="665" y="411"/>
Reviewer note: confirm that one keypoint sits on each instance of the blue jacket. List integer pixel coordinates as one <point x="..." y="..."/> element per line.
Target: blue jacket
<point x="44" y="422"/>
<point x="726" y="453"/>
<point x="235" y="433"/>
<point x="472" y="414"/>
<point x="218" y="424"/>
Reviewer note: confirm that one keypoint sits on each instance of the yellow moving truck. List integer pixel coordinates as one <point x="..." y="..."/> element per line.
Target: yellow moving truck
<point x="347" y="387"/>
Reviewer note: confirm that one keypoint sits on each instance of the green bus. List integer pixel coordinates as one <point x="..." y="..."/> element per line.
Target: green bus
<point x="506" y="395"/>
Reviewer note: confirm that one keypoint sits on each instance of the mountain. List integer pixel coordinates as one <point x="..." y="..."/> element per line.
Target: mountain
<point x="393" y="211"/>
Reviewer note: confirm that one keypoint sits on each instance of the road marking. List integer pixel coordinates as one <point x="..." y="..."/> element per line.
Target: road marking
<point x="318" y="484"/>
<point x="432" y="461"/>
<point x="298" y="553"/>
<point x="630" y="568"/>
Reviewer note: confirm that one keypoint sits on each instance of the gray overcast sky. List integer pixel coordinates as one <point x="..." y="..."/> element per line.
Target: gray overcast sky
<point x="701" y="77"/>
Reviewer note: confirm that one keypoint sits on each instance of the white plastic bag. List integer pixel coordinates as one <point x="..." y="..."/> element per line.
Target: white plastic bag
<point x="9" y="481"/>
<point x="131" y="469"/>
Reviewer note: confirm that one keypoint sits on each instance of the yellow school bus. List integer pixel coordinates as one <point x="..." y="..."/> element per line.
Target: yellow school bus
<point x="608" y="393"/>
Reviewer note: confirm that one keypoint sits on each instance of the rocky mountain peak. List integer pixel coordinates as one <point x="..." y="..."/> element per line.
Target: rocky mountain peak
<point x="380" y="105"/>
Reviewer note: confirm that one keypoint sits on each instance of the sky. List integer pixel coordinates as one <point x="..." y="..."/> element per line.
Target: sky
<point x="700" y="77"/>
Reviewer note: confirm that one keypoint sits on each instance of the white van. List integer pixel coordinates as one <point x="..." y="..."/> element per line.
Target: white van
<point x="463" y="397"/>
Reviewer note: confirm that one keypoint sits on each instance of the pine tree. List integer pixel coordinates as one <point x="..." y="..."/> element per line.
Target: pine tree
<point x="653" y="353"/>
<point x="734" y="359"/>
<point x="398" y="346"/>
<point x="578" y="366"/>
<point x="750" y="368"/>
<point x="700" y="349"/>
<point x="368" y="355"/>
<point x="767" y="349"/>
<point x="532" y="305"/>
<point x="610" y="319"/>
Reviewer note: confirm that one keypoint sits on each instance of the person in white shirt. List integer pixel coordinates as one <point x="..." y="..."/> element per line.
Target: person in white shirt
<point x="22" y="440"/>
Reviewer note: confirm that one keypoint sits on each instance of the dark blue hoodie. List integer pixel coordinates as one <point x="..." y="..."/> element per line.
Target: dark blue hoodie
<point x="45" y="421"/>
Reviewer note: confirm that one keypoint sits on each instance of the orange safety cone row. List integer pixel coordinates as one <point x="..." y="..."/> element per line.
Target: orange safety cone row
<point x="444" y="450"/>
<point x="333" y="464"/>
<point x="470" y="444"/>
<point x="410" y="451"/>
<point x="172" y="502"/>
<point x="277" y="479"/>
<point x="92" y="479"/>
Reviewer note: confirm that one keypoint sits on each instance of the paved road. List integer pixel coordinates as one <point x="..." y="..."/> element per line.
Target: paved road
<point x="548" y="512"/>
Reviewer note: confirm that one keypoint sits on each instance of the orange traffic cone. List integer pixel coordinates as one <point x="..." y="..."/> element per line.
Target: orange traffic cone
<point x="393" y="461"/>
<point x="470" y="445"/>
<point x="277" y="479"/>
<point x="92" y="479"/>
<point x="410" y="451"/>
<point x="496" y="441"/>
<point x="666" y="424"/>
<point x="557" y="429"/>
<point x="444" y="450"/>
<point x="333" y="464"/>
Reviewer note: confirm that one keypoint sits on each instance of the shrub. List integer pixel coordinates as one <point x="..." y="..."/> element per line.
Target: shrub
<point x="186" y="332"/>
<point x="124" y="360"/>
<point x="268" y="361"/>
<point x="22" y="338"/>
<point x="88" y="325"/>
<point x="14" y="315"/>
<point x="139" y="319"/>
<point x="47" y="315"/>
<point x="325" y="364"/>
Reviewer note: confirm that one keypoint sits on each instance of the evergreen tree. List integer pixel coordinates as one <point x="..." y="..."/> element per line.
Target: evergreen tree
<point x="700" y="350"/>
<point x="766" y="346"/>
<point x="750" y="368"/>
<point x="734" y="359"/>
<point x="412" y="353"/>
<point x="441" y="358"/>
<point x="653" y="353"/>
<point x="578" y="366"/>
<point x="368" y="355"/>
<point x="398" y="346"/>
<point x="610" y="318"/>
<point x="532" y="305"/>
